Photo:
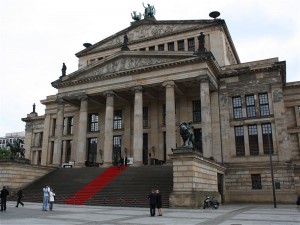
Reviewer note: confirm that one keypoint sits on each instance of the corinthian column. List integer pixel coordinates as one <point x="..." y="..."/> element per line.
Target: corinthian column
<point x="108" y="138"/>
<point x="206" y="118"/>
<point x="58" y="132"/>
<point x="82" y="129"/>
<point x="138" y="126"/>
<point x="170" y="117"/>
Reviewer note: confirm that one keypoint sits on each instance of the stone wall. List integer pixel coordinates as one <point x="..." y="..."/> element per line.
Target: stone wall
<point x="16" y="174"/>
<point x="193" y="177"/>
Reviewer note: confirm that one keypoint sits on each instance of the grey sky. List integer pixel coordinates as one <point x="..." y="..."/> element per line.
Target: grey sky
<point x="37" y="36"/>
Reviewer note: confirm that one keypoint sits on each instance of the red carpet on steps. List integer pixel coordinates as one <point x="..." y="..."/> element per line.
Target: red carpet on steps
<point x="95" y="185"/>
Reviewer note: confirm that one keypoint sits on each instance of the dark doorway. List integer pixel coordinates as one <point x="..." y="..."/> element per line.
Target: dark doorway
<point x="165" y="147"/>
<point x="220" y="186"/>
<point x="92" y="152"/>
<point x="117" y="143"/>
<point x="145" y="149"/>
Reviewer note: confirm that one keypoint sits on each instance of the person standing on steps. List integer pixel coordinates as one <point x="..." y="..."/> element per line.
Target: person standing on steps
<point x="158" y="202"/>
<point x="152" y="202"/>
<point x="51" y="199"/>
<point x="3" y="196"/>
<point x="20" y="196"/>
<point x="46" y="191"/>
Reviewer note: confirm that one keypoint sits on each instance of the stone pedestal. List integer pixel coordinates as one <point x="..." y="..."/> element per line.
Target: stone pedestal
<point x="193" y="177"/>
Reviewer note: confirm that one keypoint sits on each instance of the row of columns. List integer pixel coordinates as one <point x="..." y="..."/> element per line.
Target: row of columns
<point x="138" y="124"/>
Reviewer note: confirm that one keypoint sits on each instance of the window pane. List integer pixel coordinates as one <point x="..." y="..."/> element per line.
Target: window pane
<point x="161" y="47"/>
<point x="171" y="46"/>
<point x="117" y="119"/>
<point x="239" y="140"/>
<point x="145" y="116"/>
<point x="180" y="45"/>
<point x="264" y="104"/>
<point x="191" y="44"/>
<point x="196" y="111"/>
<point x="253" y="140"/>
<point x="237" y="107"/>
<point x="256" y="181"/>
<point x="250" y="106"/>
<point x="93" y="122"/>
<point x="267" y="138"/>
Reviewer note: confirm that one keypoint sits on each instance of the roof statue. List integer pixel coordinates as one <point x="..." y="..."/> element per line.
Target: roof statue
<point x="33" y="108"/>
<point x="201" y="39"/>
<point x="125" y="43"/>
<point x="136" y="16"/>
<point x="149" y="11"/>
<point x="63" y="70"/>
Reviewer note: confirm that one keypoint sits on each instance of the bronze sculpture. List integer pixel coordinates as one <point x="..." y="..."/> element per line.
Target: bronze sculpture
<point x="187" y="135"/>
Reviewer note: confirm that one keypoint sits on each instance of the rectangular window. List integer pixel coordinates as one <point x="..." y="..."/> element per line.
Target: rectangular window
<point x="161" y="47"/>
<point x="196" y="111"/>
<point x="151" y="48"/>
<point x="93" y="122"/>
<point x="164" y="115"/>
<point x="145" y="116"/>
<point x="267" y="138"/>
<point x="117" y="119"/>
<point x="69" y="125"/>
<point x="191" y="44"/>
<point x="256" y="181"/>
<point x="250" y="106"/>
<point x="53" y="127"/>
<point x="142" y="49"/>
<point x="239" y="140"/>
<point x="237" y="107"/>
<point x="253" y="140"/>
<point x="264" y="104"/>
<point x="171" y="46"/>
<point x="180" y="45"/>
<point x="198" y="139"/>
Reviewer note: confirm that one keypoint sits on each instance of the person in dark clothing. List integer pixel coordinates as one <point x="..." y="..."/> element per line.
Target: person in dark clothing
<point x="152" y="202"/>
<point x="158" y="203"/>
<point x="20" y="196"/>
<point x="3" y="195"/>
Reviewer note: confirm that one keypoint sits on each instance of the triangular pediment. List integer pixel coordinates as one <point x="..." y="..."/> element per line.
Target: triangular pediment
<point x="145" y="30"/>
<point x="124" y="63"/>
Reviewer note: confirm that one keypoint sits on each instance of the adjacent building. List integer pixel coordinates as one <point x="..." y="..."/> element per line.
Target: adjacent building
<point x="133" y="89"/>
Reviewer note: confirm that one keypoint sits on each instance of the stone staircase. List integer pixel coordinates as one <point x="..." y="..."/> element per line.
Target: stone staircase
<point x="130" y="188"/>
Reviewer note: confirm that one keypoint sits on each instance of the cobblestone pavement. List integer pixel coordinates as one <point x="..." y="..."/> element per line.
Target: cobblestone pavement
<point x="231" y="214"/>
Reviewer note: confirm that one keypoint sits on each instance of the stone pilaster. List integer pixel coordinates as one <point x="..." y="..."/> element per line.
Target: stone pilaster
<point x="138" y="126"/>
<point x="80" y="156"/>
<point x="58" y="132"/>
<point x="206" y="118"/>
<point x="108" y="139"/>
<point x="170" y="117"/>
<point x="45" y="144"/>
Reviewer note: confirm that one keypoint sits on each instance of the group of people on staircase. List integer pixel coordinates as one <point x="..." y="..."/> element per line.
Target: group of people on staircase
<point x="155" y="201"/>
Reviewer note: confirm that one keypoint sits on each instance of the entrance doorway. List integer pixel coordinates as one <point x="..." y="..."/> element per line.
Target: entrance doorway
<point x="92" y="152"/>
<point x="145" y="149"/>
<point x="117" y="143"/>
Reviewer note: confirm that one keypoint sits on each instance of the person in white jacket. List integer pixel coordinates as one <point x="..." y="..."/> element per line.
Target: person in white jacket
<point x="51" y="199"/>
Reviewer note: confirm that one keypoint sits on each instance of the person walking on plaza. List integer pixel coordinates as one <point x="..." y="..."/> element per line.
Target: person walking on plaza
<point x="46" y="191"/>
<point x="152" y="202"/>
<point x="51" y="199"/>
<point x="3" y="196"/>
<point x="20" y="196"/>
<point x="158" y="202"/>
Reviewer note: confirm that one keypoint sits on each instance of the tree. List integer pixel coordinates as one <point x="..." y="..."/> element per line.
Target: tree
<point x="16" y="149"/>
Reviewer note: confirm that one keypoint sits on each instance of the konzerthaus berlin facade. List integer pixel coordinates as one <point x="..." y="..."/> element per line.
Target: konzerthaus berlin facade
<point x="133" y="89"/>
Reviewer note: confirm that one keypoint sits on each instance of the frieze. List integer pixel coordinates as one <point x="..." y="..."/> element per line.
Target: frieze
<point x="126" y="64"/>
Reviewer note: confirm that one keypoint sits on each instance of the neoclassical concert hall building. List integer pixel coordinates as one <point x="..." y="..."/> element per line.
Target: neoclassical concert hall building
<point x="133" y="89"/>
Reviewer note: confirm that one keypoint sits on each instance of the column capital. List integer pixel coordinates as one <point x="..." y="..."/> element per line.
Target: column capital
<point x="202" y="79"/>
<point x="168" y="83"/>
<point x="83" y="97"/>
<point x="137" y="89"/>
<point x="60" y="100"/>
<point x="109" y="93"/>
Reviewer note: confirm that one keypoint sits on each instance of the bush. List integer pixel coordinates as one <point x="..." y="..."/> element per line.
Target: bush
<point x="4" y="153"/>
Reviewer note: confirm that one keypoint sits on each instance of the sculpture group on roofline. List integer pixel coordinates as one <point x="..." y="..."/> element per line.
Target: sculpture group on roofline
<point x="149" y="13"/>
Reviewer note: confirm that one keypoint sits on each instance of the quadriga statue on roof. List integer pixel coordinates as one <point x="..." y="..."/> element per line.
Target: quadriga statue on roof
<point x="149" y="11"/>
<point x="187" y="134"/>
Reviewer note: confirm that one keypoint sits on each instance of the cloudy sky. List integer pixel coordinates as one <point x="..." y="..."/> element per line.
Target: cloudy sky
<point x="37" y="36"/>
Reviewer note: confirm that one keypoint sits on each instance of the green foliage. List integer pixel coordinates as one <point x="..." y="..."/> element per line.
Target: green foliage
<point x="4" y="153"/>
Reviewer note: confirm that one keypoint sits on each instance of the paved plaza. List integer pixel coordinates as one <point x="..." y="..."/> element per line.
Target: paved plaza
<point x="231" y="214"/>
